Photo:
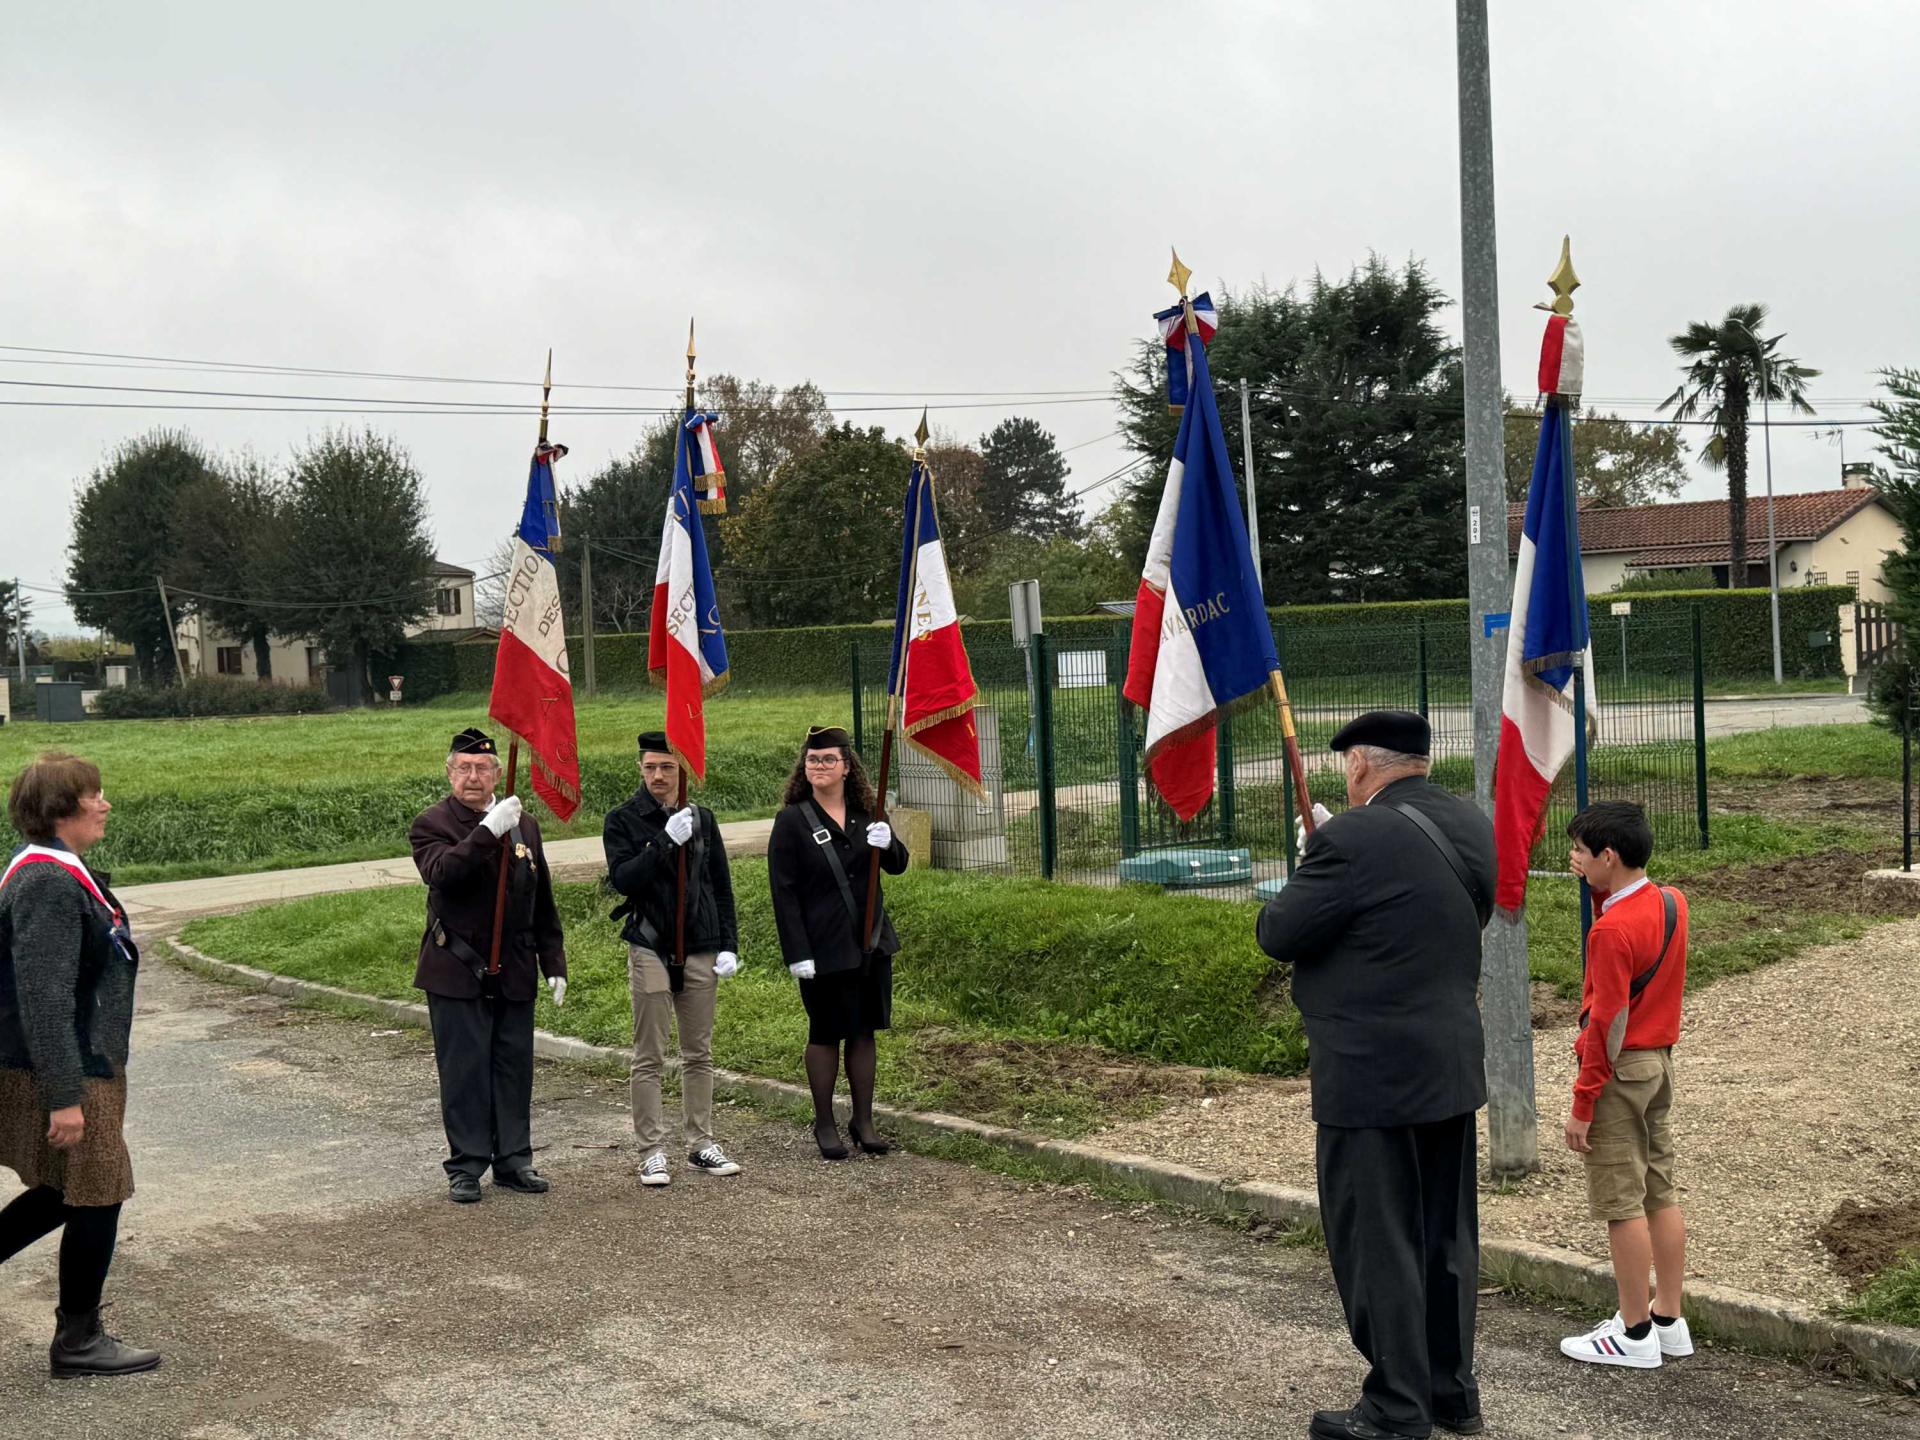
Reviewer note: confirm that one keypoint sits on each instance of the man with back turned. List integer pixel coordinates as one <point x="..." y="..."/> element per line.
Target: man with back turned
<point x="1381" y="923"/>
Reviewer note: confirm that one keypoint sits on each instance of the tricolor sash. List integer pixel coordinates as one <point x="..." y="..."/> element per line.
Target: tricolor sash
<point x="72" y="864"/>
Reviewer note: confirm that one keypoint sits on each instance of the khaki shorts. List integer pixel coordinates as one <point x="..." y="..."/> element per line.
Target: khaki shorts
<point x="1630" y="1168"/>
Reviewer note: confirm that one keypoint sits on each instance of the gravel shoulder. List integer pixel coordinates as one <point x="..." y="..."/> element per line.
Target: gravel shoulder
<point x="290" y="1250"/>
<point x="1798" y="1088"/>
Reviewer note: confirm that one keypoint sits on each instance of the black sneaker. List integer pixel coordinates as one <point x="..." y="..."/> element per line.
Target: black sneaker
<point x="713" y="1160"/>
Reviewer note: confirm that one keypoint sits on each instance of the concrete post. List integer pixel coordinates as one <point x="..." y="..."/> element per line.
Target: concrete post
<point x="1506" y="996"/>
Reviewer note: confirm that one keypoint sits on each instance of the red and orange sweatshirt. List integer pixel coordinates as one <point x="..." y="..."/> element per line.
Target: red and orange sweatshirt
<point x="1626" y="935"/>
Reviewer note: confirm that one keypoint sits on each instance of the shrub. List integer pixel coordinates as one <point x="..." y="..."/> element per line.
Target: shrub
<point x="1736" y="641"/>
<point x="208" y="696"/>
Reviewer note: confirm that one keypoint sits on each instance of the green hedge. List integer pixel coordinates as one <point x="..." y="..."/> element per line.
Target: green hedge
<point x="205" y="695"/>
<point x="1735" y="636"/>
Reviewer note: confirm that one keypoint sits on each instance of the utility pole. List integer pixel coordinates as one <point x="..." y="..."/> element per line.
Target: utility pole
<point x="173" y="639"/>
<point x="20" y="627"/>
<point x="1253" y="510"/>
<point x="586" y="609"/>
<point x="1506" y="995"/>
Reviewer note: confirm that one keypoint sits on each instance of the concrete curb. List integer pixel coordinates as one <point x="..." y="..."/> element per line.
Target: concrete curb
<point x="1738" y="1318"/>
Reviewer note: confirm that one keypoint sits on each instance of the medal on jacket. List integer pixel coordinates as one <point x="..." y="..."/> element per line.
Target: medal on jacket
<point x="520" y="850"/>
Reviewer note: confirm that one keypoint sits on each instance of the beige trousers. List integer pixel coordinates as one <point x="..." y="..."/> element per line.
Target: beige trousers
<point x="655" y="1006"/>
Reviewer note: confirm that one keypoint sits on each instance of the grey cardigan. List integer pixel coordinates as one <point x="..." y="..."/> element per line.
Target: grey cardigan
<point x="66" y="990"/>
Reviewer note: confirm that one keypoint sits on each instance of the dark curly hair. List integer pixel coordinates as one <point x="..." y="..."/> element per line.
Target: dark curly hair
<point x="859" y="788"/>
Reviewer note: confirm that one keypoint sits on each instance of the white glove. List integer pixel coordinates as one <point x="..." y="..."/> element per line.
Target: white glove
<point x="680" y="825"/>
<point x="724" y="964"/>
<point x="558" y="984"/>
<point x="801" y="971"/>
<point x="879" y="835"/>
<point x="1320" y="817"/>
<point x="503" y="815"/>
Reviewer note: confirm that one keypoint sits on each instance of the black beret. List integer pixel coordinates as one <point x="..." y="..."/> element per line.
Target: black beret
<point x="1400" y="730"/>
<point x="473" y="742"/>
<point x="656" y="741"/>
<point x="826" y="737"/>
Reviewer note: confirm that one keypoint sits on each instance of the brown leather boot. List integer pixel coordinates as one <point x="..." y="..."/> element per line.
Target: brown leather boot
<point x="81" y="1347"/>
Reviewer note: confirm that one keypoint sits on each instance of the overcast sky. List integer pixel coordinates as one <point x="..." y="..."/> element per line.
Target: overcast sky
<point x="892" y="197"/>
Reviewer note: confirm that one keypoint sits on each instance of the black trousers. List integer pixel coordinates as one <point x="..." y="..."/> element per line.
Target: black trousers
<point x="484" y="1049"/>
<point x="86" y="1244"/>
<point x="1402" y="1220"/>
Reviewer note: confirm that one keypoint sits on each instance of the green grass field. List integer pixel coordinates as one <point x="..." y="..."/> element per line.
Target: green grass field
<point x="210" y="797"/>
<point x="1014" y="999"/>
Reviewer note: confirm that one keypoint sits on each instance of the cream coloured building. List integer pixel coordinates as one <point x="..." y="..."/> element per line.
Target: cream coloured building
<point x="206" y="649"/>
<point x="1824" y="537"/>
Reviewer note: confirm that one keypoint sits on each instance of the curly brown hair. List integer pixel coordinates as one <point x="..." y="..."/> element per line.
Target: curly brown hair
<point x="859" y="788"/>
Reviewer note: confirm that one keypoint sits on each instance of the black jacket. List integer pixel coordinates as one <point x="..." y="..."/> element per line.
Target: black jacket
<point x="1384" y="941"/>
<point x="460" y="861"/>
<point x="808" y="909"/>
<point x="642" y="865"/>
<point x="66" y="989"/>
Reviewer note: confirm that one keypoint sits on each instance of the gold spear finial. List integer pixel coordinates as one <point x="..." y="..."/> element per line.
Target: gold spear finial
<point x="546" y="392"/>
<point x="1178" y="277"/>
<point x="690" y="354"/>
<point x="920" y="436"/>
<point x="1563" y="280"/>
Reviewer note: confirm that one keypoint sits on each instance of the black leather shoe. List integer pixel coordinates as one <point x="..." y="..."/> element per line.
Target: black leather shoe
<point x="1348" y="1425"/>
<point x="1461" y="1425"/>
<point x="463" y="1189"/>
<point x="81" y="1347"/>
<point x="528" y="1181"/>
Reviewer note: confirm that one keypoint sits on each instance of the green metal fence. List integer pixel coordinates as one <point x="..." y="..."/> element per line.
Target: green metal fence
<point x="1068" y="796"/>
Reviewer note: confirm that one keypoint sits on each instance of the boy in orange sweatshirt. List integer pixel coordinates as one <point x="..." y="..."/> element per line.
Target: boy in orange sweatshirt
<point x="1620" y="1124"/>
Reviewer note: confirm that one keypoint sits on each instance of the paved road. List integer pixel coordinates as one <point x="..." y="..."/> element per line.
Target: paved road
<point x="291" y="1251"/>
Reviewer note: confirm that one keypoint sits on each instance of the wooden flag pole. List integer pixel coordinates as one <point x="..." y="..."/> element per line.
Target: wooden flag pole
<point x="680" y="859"/>
<point x="513" y="755"/>
<point x="897" y="693"/>
<point x="1178" y="277"/>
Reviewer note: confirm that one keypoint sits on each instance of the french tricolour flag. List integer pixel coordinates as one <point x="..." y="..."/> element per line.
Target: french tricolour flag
<point x="686" y="651"/>
<point x="1201" y="641"/>
<point x="1173" y="330"/>
<point x="929" y="669"/>
<point x="532" y="694"/>
<point x="703" y="461"/>
<point x="1546" y="630"/>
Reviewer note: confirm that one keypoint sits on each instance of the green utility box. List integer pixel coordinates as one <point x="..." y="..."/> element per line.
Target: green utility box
<point x="1186" y="866"/>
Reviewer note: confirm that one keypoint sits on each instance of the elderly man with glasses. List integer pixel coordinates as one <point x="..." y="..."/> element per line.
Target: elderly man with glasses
<point x="482" y="1016"/>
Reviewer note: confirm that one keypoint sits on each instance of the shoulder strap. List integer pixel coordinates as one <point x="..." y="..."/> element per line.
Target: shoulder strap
<point x="1645" y="977"/>
<point x="1447" y="852"/>
<point x="824" y="839"/>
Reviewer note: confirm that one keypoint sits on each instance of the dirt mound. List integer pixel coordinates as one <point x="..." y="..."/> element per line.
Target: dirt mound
<point x="1864" y="1239"/>
<point x="1830" y="881"/>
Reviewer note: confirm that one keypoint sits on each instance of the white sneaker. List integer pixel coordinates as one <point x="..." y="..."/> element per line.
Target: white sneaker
<point x="1609" y="1344"/>
<point x="1676" y="1340"/>
<point x="714" y="1161"/>
<point x="654" y="1171"/>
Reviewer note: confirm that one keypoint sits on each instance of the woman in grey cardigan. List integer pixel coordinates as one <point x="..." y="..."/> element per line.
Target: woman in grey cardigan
<point x="67" y="967"/>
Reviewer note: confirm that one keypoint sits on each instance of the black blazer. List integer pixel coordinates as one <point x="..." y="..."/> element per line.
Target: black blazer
<point x="1384" y="941"/>
<point x="808" y="909"/>
<point x="461" y="864"/>
<point x="642" y="864"/>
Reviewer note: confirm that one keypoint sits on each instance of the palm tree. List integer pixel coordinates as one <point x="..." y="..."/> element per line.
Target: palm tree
<point x="1724" y="366"/>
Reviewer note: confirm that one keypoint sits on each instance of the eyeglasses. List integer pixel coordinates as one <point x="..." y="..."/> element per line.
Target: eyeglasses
<point x="822" y="762"/>
<point x="482" y="769"/>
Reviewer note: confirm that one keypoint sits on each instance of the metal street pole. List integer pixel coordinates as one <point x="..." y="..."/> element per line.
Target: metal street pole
<point x="20" y="627"/>
<point x="1773" y="546"/>
<point x="1253" y="510"/>
<point x="586" y="608"/>
<point x="1506" y="995"/>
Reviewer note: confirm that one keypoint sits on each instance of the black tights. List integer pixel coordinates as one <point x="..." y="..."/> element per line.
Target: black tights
<point x="86" y="1246"/>
<point x="823" y="1072"/>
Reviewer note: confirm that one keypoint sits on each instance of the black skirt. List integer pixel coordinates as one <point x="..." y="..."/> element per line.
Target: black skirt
<point x="849" y="1004"/>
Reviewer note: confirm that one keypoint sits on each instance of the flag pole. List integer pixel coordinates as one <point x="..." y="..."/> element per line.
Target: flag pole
<point x="680" y="860"/>
<point x="513" y="748"/>
<point x="1178" y="277"/>
<point x="897" y="692"/>
<point x="1564" y="281"/>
